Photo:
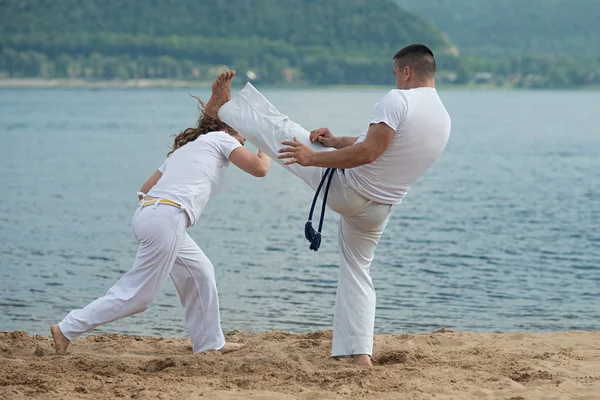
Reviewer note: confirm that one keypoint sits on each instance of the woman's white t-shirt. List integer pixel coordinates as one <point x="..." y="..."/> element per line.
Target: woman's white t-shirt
<point x="195" y="172"/>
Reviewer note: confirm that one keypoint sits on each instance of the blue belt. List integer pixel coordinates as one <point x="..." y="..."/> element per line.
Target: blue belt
<point x="311" y="235"/>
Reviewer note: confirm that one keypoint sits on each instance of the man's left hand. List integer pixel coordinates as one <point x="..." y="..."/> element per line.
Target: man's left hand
<point x="296" y="153"/>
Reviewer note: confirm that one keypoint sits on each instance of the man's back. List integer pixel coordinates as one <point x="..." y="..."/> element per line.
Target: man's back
<point x="422" y="127"/>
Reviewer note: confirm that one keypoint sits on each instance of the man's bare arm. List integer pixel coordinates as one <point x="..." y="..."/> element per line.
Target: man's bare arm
<point x="344" y="141"/>
<point x="377" y="141"/>
<point x="326" y="138"/>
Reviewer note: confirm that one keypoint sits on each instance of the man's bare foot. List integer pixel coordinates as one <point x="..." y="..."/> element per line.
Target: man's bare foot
<point x="363" y="360"/>
<point x="60" y="341"/>
<point x="230" y="347"/>
<point x="221" y="93"/>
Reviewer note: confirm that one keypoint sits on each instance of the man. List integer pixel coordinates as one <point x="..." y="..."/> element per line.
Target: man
<point x="408" y="130"/>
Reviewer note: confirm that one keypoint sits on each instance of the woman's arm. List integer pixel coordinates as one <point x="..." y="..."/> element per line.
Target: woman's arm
<point x="254" y="164"/>
<point x="150" y="183"/>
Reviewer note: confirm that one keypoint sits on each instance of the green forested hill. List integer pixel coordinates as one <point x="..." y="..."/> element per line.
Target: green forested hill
<point x="497" y="28"/>
<point x="544" y="43"/>
<point x="333" y="41"/>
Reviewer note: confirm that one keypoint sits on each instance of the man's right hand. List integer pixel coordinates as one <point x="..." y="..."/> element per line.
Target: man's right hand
<point x="323" y="136"/>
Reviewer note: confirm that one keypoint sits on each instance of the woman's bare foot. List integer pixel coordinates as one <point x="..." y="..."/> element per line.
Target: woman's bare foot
<point x="363" y="360"/>
<point x="221" y="93"/>
<point x="60" y="341"/>
<point x="230" y="347"/>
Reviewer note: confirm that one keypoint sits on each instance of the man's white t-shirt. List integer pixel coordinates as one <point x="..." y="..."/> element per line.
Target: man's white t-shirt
<point x="195" y="172"/>
<point x="422" y="127"/>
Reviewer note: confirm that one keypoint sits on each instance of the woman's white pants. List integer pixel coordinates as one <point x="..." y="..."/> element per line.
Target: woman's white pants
<point x="164" y="249"/>
<point x="362" y="221"/>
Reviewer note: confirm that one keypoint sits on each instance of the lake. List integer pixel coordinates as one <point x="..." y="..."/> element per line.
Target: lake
<point x="501" y="234"/>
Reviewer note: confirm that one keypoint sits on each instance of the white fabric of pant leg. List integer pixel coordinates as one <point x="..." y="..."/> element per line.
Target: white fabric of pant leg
<point x="194" y="278"/>
<point x="362" y="220"/>
<point x="159" y="231"/>
<point x="255" y="118"/>
<point x="354" y="315"/>
<point x="164" y="248"/>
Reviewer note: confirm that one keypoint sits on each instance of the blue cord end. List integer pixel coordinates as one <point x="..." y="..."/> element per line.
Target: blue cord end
<point x="309" y="231"/>
<point x="316" y="242"/>
<point x="311" y="235"/>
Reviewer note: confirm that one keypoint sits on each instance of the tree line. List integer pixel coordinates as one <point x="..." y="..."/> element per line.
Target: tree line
<point x="297" y="41"/>
<point x="316" y="68"/>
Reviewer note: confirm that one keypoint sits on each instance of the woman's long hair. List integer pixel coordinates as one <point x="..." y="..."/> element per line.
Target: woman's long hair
<point x="205" y="124"/>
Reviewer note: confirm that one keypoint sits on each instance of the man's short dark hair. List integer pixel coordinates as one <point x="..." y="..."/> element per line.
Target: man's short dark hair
<point x="418" y="57"/>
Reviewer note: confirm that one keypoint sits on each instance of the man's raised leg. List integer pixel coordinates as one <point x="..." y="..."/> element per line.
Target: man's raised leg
<point x="256" y="119"/>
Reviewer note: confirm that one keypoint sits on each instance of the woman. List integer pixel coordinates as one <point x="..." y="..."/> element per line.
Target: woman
<point x="170" y="201"/>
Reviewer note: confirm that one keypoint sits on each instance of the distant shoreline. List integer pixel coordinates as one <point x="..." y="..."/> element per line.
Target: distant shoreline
<point x="40" y="83"/>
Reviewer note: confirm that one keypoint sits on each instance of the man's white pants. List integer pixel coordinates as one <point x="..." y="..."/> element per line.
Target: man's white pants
<point x="164" y="249"/>
<point x="362" y="221"/>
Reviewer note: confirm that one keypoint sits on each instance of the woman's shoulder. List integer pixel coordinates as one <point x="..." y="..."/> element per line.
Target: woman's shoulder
<point x="219" y="135"/>
<point x="222" y="141"/>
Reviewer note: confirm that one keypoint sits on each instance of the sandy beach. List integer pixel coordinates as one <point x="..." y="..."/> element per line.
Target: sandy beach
<point x="280" y="365"/>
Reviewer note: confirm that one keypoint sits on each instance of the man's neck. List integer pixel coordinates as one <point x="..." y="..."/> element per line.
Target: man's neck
<point x="422" y="83"/>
